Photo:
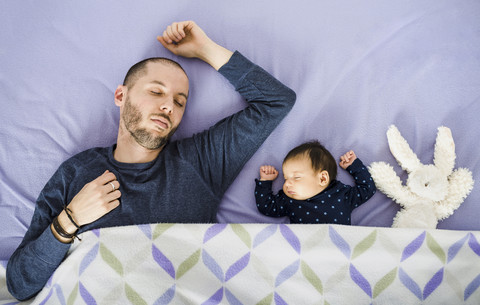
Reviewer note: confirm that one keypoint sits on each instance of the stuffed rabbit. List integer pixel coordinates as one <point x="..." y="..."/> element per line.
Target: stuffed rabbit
<point x="433" y="191"/>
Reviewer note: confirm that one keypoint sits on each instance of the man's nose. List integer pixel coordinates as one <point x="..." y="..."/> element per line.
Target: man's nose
<point x="167" y="106"/>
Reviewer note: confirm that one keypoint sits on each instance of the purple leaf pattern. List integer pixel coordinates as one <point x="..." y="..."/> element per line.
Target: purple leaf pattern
<point x="290" y="237"/>
<point x="213" y="231"/>
<point x="278" y="300"/>
<point x="237" y="267"/>
<point x="264" y="235"/>
<point x="433" y="284"/>
<point x="410" y="283"/>
<point x="413" y="246"/>
<point x="232" y="300"/>
<point x="453" y="250"/>
<point x="473" y="243"/>
<point x="163" y="261"/>
<point x="89" y="257"/>
<point x="212" y="265"/>
<point x="286" y="273"/>
<point x="86" y="296"/>
<point x="339" y="242"/>
<point x="360" y="280"/>
<point x="472" y="287"/>
<point x="216" y="298"/>
<point x="166" y="297"/>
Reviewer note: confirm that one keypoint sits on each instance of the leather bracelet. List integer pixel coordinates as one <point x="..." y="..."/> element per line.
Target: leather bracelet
<point x="61" y="231"/>
<point x="67" y="210"/>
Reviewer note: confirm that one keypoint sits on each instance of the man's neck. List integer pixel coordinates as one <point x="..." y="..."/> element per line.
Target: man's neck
<point x="129" y="151"/>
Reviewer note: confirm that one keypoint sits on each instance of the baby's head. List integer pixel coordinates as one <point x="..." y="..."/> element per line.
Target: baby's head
<point x="308" y="170"/>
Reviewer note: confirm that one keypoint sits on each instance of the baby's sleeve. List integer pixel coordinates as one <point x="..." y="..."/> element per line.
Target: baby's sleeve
<point x="268" y="203"/>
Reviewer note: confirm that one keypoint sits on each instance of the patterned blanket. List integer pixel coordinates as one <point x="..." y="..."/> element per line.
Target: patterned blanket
<point x="265" y="264"/>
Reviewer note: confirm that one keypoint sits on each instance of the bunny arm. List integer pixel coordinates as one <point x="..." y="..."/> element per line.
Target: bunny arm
<point x="460" y="185"/>
<point x="419" y="216"/>
<point x="390" y="184"/>
<point x="400" y="149"/>
<point x="444" y="155"/>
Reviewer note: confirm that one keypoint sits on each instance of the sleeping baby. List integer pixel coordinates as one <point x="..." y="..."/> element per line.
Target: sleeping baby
<point x="310" y="192"/>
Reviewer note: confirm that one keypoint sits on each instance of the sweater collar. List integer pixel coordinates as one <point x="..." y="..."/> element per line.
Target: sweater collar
<point x="127" y="166"/>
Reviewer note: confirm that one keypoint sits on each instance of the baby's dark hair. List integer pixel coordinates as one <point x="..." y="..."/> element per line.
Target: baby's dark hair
<point x="320" y="157"/>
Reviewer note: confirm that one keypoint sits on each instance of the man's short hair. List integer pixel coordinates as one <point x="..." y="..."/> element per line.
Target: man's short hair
<point x="320" y="157"/>
<point x="140" y="69"/>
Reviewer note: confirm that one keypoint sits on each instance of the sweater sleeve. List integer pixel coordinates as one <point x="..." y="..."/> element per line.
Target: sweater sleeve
<point x="364" y="186"/>
<point x="39" y="253"/>
<point x="220" y="152"/>
<point x="268" y="203"/>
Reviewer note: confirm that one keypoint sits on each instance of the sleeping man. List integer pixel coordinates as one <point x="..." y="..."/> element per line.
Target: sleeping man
<point x="144" y="178"/>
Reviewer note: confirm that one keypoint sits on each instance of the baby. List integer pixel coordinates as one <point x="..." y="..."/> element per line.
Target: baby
<point x="310" y="193"/>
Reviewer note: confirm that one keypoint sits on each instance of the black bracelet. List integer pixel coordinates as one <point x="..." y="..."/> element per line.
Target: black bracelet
<point x="61" y="231"/>
<point x="67" y="210"/>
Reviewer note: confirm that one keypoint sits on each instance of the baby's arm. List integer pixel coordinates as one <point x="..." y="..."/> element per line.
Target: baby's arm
<point x="364" y="186"/>
<point x="268" y="172"/>
<point x="268" y="203"/>
<point x="347" y="159"/>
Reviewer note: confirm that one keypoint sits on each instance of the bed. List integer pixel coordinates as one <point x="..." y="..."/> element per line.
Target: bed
<point x="357" y="67"/>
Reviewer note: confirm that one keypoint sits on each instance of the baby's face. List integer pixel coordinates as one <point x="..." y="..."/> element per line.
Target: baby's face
<point x="301" y="181"/>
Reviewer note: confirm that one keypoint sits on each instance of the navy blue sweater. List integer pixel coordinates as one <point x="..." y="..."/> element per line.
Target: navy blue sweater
<point x="184" y="184"/>
<point x="333" y="205"/>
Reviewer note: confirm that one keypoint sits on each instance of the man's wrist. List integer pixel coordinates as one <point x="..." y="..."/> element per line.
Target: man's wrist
<point x="66" y="224"/>
<point x="215" y="55"/>
<point x="63" y="229"/>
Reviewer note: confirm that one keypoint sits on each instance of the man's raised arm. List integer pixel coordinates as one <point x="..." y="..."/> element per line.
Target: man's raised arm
<point x="221" y="152"/>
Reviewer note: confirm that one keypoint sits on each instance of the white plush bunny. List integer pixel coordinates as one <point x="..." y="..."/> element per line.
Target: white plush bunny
<point x="433" y="191"/>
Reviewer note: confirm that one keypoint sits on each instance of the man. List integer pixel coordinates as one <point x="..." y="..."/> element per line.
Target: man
<point x="143" y="178"/>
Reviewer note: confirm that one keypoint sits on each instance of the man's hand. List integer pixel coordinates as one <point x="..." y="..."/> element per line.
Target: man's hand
<point x="95" y="199"/>
<point x="187" y="39"/>
<point x="268" y="172"/>
<point x="347" y="159"/>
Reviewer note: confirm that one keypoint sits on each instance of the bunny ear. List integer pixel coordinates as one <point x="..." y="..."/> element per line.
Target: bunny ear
<point x="444" y="155"/>
<point x="401" y="150"/>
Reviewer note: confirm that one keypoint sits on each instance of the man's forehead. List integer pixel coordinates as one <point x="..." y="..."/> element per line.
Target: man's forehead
<point x="163" y="66"/>
<point x="165" y="75"/>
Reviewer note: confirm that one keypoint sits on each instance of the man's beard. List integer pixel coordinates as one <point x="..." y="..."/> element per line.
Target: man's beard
<point x="132" y="118"/>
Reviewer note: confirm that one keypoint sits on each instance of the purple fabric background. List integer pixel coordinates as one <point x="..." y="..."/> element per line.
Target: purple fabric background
<point x="357" y="67"/>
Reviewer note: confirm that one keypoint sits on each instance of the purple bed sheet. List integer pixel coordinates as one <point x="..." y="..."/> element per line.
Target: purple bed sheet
<point x="357" y="67"/>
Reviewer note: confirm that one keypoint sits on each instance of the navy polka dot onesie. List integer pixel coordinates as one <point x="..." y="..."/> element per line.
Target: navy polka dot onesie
<point x="333" y="205"/>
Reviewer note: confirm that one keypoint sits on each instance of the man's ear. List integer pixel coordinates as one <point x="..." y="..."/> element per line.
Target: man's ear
<point x="120" y="95"/>
<point x="323" y="178"/>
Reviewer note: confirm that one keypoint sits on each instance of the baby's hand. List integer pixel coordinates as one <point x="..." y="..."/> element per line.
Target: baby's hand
<point x="268" y="172"/>
<point x="347" y="159"/>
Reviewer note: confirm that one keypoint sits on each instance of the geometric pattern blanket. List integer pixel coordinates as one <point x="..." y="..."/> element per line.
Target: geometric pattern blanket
<point x="265" y="264"/>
